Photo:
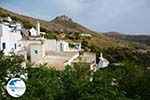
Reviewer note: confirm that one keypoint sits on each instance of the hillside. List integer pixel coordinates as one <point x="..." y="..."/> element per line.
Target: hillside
<point x="125" y="78"/>
<point x="142" y="41"/>
<point x="63" y="27"/>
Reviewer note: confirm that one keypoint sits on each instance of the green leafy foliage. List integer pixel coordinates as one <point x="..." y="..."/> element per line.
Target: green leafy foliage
<point x="127" y="82"/>
<point x="11" y="64"/>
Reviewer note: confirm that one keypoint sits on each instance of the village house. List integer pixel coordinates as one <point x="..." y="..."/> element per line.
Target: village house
<point x="37" y="49"/>
<point x="9" y="36"/>
<point x="103" y="62"/>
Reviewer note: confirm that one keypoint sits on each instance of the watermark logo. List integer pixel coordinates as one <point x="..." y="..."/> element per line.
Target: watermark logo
<point x="16" y="87"/>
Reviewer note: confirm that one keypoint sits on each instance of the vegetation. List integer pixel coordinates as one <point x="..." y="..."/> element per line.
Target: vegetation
<point x="127" y="82"/>
<point x="116" y="55"/>
<point x="50" y="35"/>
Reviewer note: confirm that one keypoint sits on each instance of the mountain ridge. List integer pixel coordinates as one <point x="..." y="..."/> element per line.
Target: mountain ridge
<point x="138" y="40"/>
<point x="64" y="24"/>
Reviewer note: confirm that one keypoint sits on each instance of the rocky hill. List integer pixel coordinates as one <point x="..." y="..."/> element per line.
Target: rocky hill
<point x="63" y="27"/>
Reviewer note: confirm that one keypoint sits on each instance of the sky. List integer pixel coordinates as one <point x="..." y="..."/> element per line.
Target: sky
<point x="126" y="16"/>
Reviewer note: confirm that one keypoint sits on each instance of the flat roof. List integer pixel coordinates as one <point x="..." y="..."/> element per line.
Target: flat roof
<point x="56" y="59"/>
<point x="87" y="57"/>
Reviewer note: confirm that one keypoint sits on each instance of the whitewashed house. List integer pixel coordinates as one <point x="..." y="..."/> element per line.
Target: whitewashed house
<point x="33" y="31"/>
<point x="103" y="62"/>
<point x="9" y="37"/>
<point x="37" y="46"/>
<point x="37" y="52"/>
<point x="62" y="46"/>
<point x="8" y="19"/>
<point x="34" y="47"/>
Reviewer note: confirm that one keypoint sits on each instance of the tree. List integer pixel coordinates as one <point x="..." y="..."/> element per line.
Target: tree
<point x="74" y="83"/>
<point x="10" y="64"/>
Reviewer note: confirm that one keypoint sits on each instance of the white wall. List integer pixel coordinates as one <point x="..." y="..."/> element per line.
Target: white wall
<point x="24" y="44"/>
<point x="36" y="52"/>
<point x="4" y="38"/>
<point x="62" y="46"/>
<point x="14" y="39"/>
<point x="33" y="32"/>
<point x="103" y="64"/>
<point x="50" y="45"/>
<point x="9" y="37"/>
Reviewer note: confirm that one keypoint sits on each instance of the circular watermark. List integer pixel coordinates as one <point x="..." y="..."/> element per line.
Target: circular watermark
<point x="16" y="87"/>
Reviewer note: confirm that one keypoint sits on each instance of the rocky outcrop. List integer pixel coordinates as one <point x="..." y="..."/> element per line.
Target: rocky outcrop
<point x="63" y="18"/>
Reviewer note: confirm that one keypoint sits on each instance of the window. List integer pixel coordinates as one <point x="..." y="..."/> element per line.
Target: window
<point x="36" y="52"/>
<point x="4" y="45"/>
<point x="19" y="45"/>
<point x="15" y="45"/>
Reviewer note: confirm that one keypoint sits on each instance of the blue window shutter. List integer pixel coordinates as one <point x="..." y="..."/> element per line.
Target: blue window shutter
<point x="15" y="45"/>
<point x="4" y="45"/>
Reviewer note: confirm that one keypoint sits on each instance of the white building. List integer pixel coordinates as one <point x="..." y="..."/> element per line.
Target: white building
<point x="50" y="45"/>
<point x="34" y="47"/>
<point x="9" y="37"/>
<point x="103" y="62"/>
<point x="37" y="52"/>
<point x="38" y="48"/>
<point x="8" y="19"/>
<point x="18" y="26"/>
<point x="24" y="45"/>
<point x="62" y="46"/>
<point x="33" y="32"/>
